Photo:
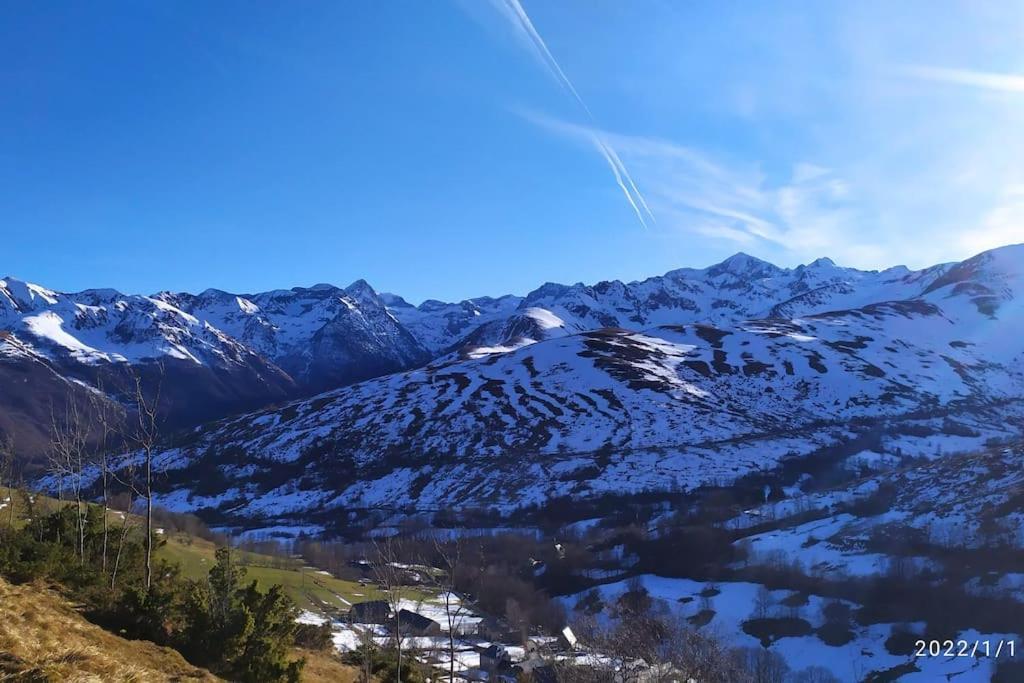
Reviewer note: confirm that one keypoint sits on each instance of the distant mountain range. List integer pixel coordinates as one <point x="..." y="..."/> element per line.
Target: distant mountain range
<point x="696" y="376"/>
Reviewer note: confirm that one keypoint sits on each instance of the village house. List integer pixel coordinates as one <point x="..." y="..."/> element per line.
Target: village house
<point x="490" y="628"/>
<point x="370" y="612"/>
<point x="494" y="657"/>
<point x="415" y="624"/>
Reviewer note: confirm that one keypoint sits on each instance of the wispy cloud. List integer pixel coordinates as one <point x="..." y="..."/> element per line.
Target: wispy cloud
<point x="863" y="144"/>
<point x="514" y="12"/>
<point x="808" y="214"/>
<point x="1003" y="224"/>
<point x="986" y="80"/>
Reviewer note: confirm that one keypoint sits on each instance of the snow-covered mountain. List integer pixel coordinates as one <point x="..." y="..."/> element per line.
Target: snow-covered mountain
<point x="627" y="393"/>
<point x="214" y="353"/>
<point x="439" y="326"/>
<point x="31" y="390"/>
<point x="322" y="336"/>
<point x="223" y="352"/>
<point x="739" y="288"/>
<point x="61" y="344"/>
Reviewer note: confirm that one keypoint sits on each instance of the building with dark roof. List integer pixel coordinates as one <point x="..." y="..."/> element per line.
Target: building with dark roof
<point x="370" y="612"/>
<point x="415" y="624"/>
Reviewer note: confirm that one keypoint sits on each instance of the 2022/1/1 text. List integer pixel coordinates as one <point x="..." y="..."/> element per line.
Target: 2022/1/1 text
<point x="965" y="648"/>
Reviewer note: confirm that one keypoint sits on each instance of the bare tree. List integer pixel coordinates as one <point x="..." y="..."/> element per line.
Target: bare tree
<point x="108" y="424"/>
<point x="7" y="474"/>
<point x="55" y="466"/>
<point x="141" y="434"/>
<point x="69" y="443"/>
<point x="763" y="603"/>
<point x="518" y="619"/>
<point x="765" y="666"/>
<point x="145" y="437"/>
<point x="389" y="579"/>
<point x="368" y="647"/>
<point x="454" y="608"/>
<point x="658" y="646"/>
<point x="813" y="674"/>
<point x="125" y="476"/>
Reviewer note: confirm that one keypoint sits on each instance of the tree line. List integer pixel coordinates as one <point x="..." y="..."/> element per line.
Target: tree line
<point x="97" y="543"/>
<point x="219" y="622"/>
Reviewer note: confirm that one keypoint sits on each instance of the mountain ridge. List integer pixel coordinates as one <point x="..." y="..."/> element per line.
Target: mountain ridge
<point x="223" y="352"/>
<point x="670" y="406"/>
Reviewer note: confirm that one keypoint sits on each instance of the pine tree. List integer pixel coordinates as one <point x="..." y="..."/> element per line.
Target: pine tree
<point x="264" y="657"/>
<point x="241" y="632"/>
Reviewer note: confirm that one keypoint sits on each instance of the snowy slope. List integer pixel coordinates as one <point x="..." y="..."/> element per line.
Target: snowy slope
<point x="66" y="342"/>
<point x="215" y="353"/>
<point x="616" y="410"/>
<point x="30" y="387"/>
<point x="103" y="326"/>
<point x="439" y="326"/>
<point x="304" y="340"/>
<point x="739" y="288"/>
<point x="323" y="336"/>
<point x="864" y="658"/>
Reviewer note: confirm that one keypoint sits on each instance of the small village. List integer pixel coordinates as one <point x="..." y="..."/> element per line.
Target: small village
<point x="445" y="631"/>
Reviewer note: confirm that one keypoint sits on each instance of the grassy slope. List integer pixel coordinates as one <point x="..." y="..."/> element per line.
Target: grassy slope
<point x="10" y="500"/>
<point x="42" y="638"/>
<point x="34" y="620"/>
<point x="307" y="587"/>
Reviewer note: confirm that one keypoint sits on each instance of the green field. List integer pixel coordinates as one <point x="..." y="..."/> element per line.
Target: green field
<point x="10" y="499"/>
<point x="307" y="586"/>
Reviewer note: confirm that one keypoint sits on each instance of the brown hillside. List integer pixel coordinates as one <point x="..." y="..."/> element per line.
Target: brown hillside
<point x="42" y="638"/>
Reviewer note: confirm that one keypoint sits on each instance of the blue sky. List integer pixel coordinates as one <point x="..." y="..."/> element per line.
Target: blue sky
<point x="453" y="148"/>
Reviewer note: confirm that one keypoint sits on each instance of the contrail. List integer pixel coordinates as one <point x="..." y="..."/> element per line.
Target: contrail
<point x="988" y="80"/>
<point x="636" y="191"/>
<point x="622" y="177"/>
<point x="618" y="170"/>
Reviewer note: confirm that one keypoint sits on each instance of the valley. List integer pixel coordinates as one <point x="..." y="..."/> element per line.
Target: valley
<point x="792" y="463"/>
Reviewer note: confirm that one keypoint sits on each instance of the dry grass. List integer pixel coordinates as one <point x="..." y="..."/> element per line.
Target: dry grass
<point x="325" y="667"/>
<point x="44" y="639"/>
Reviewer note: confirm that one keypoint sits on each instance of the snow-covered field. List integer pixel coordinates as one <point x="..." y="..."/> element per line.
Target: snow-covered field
<point x="849" y="663"/>
<point x="437" y="649"/>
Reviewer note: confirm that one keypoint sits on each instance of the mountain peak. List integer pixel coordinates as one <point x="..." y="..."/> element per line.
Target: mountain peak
<point x="741" y="256"/>
<point x="548" y="289"/>
<point x="741" y="263"/>
<point x="361" y="289"/>
<point x="393" y="300"/>
<point x="360" y="284"/>
<point x="213" y="292"/>
<point x="742" y="259"/>
<point x="25" y="293"/>
<point x="990" y="271"/>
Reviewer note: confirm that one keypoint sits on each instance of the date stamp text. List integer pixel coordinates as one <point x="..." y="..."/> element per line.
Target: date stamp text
<point x="965" y="648"/>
